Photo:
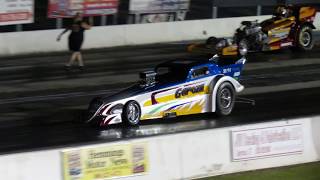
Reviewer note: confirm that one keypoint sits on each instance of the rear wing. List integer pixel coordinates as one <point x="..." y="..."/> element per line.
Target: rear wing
<point x="307" y="13"/>
<point x="303" y="13"/>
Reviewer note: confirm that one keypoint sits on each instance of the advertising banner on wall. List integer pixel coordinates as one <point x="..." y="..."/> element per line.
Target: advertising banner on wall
<point x="157" y="6"/>
<point x="267" y="142"/>
<point x="16" y="12"/>
<point x="68" y="8"/>
<point x="103" y="162"/>
<point x="152" y="11"/>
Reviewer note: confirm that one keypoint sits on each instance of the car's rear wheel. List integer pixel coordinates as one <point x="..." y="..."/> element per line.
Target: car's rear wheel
<point x="131" y="113"/>
<point x="225" y="99"/>
<point x="304" y="39"/>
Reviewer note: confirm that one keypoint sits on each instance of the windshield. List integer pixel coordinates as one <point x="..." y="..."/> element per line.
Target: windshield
<point x="171" y="74"/>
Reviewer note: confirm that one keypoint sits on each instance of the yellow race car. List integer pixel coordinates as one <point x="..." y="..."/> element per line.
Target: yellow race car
<point x="290" y="26"/>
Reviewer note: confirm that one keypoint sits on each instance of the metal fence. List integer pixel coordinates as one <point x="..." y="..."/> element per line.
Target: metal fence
<point x="198" y="9"/>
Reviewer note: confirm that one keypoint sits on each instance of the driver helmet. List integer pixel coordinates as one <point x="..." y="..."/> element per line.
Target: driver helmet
<point x="281" y="11"/>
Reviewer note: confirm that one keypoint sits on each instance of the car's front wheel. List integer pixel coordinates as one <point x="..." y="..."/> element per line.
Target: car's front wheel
<point x="131" y="113"/>
<point x="225" y="99"/>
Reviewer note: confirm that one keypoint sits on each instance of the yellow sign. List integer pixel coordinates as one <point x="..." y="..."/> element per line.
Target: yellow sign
<point x="105" y="162"/>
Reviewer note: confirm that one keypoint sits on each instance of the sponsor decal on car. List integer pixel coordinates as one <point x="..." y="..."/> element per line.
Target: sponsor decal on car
<point x="186" y="90"/>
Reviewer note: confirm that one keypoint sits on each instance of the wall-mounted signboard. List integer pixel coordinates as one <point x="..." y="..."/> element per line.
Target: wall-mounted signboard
<point x="68" y="8"/>
<point x="150" y="11"/>
<point x="16" y="12"/>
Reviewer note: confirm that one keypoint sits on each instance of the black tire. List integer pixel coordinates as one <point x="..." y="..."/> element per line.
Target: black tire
<point x="243" y="47"/>
<point x="225" y="99"/>
<point x="304" y="39"/>
<point x="212" y="41"/>
<point x="131" y="113"/>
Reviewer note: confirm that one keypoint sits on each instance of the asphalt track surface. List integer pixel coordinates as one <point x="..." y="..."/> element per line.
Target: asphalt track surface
<point x="40" y="103"/>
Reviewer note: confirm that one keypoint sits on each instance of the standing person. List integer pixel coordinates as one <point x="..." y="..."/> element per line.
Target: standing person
<point x="76" y="39"/>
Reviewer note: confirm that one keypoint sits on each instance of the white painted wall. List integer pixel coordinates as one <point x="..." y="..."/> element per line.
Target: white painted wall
<point x="109" y="36"/>
<point x="317" y="21"/>
<point x="16" y="43"/>
<point x="177" y="156"/>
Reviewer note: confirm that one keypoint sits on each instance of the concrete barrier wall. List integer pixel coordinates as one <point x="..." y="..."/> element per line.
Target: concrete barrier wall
<point x="317" y="21"/>
<point x="109" y="36"/>
<point x="122" y="35"/>
<point x="190" y="155"/>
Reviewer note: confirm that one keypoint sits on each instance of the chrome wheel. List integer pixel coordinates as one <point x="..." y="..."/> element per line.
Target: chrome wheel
<point x="225" y="98"/>
<point x="305" y="38"/>
<point x="131" y="113"/>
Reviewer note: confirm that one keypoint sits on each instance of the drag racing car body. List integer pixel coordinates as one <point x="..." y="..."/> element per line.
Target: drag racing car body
<point x="290" y="26"/>
<point x="173" y="88"/>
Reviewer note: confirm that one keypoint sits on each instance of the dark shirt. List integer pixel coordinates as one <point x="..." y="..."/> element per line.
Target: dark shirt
<point x="77" y="30"/>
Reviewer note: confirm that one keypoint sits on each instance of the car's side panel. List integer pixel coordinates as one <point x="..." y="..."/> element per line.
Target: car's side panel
<point x="112" y="118"/>
<point x="187" y="98"/>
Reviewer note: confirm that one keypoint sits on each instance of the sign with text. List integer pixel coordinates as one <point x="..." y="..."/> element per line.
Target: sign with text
<point x="16" y="12"/>
<point x="266" y="142"/>
<point x="68" y="8"/>
<point x="98" y="163"/>
<point x="158" y="6"/>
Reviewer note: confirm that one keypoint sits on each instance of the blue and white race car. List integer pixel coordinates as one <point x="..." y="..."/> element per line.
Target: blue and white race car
<point x="173" y="88"/>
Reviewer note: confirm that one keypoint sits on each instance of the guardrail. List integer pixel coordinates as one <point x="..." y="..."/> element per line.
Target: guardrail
<point x="177" y="156"/>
